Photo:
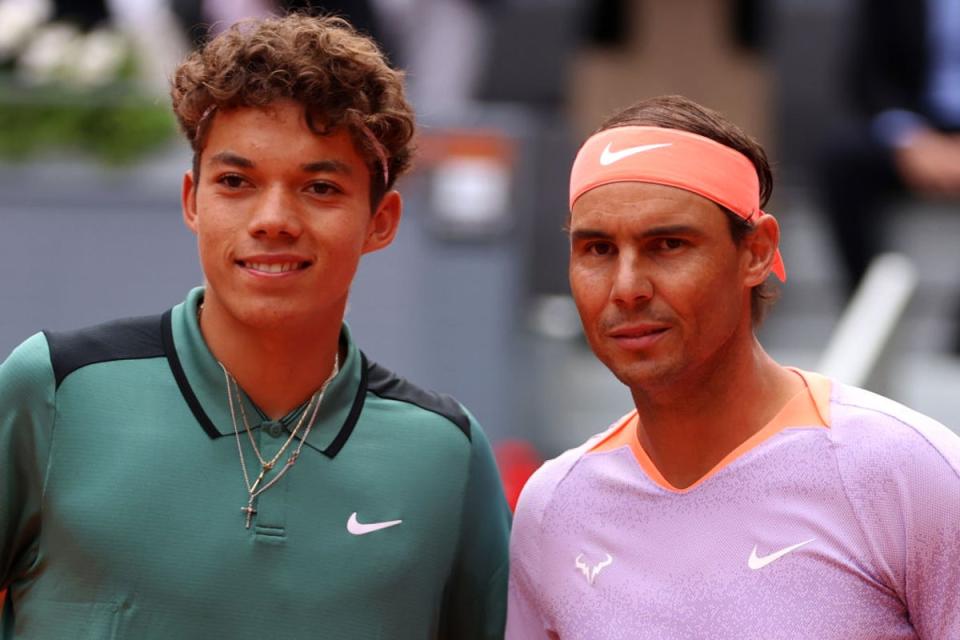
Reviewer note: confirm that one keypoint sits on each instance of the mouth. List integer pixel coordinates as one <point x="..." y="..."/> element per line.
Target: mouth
<point x="273" y="268"/>
<point x="637" y="337"/>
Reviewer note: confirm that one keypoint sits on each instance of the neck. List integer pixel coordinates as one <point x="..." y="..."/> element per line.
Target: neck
<point x="279" y="368"/>
<point x="689" y="426"/>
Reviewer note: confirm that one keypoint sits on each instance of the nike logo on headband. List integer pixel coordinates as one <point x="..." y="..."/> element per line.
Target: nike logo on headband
<point x="608" y="157"/>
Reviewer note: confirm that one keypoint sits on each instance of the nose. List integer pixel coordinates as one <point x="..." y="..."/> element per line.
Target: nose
<point x="276" y="215"/>
<point x="631" y="283"/>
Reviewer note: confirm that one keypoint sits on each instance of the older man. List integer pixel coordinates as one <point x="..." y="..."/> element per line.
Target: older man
<point x="739" y="498"/>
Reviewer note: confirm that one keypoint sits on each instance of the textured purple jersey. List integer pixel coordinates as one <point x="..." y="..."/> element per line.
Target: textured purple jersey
<point x="839" y="520"/>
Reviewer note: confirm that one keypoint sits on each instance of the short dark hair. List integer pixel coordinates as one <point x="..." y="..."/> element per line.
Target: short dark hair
<point x="339" y="75"/>
<point x="679" y="112"/>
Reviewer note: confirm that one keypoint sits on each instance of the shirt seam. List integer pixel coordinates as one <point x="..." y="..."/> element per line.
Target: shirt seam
<point x="425" y="410"/>
<point x="909" y="426"/>
<point x="104" y="361"/>
<point x="52" y="401"/>
<point x="541" y="533"/>
<point x="464" y="495"/>
<point x="853" y="510"/>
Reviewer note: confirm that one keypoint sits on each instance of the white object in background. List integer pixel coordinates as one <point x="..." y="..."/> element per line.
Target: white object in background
<point x="867" y="325"/>
<point x="156" y="36"/>
<point x="471" y="194"/>
<point x="18" y="20"/>
<point x="442" y="44"/>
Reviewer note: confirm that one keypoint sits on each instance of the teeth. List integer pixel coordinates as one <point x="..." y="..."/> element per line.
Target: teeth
<point x="273" y="267"/>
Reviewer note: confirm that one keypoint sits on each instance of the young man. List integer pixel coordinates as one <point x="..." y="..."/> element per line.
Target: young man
<point x="739" y="499"/>
<point x="236" y="467"/>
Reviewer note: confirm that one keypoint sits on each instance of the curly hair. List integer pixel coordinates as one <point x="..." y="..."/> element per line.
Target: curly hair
<point x="679" y="112"/>
<point x="338" y="74"/>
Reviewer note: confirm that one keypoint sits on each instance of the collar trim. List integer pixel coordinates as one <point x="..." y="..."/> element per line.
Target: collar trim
<point x="176" y="368"/>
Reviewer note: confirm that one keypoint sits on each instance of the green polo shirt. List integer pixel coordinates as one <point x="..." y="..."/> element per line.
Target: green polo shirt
<point x="121" y="494"/>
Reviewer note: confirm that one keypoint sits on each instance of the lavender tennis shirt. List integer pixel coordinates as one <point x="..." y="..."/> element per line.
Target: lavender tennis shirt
<point x="840" y="522"/>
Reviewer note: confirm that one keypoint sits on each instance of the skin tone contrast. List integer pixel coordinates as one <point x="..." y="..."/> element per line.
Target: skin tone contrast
<point x="663" y="293"/>
<point x="282" y="217"/>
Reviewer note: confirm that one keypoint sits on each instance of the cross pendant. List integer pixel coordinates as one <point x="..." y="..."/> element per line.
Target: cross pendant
<point x="250" y="511"/>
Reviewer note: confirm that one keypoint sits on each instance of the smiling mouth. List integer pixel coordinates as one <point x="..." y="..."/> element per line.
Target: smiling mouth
<point x="273" y="267"/>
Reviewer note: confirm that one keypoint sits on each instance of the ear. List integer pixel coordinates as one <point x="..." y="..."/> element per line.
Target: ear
<point x="384" y="224"/>
<point x="188" y="201"/>
<point x="760" y="247"/>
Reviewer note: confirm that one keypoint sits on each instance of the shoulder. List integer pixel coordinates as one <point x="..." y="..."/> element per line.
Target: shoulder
<point x="26" y="372"/>
<point x="27" y="400"/>
<point x="410" y="402"/>
<point x="879" y="433"/>
<point x="125" y="339"/>
<point x="546" y="484"/>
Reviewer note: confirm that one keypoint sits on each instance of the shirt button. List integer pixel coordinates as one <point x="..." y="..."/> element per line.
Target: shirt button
<point x="274" y="429"/>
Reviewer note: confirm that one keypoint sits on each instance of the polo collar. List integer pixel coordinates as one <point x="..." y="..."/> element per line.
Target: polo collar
<point x="203" y="385"/>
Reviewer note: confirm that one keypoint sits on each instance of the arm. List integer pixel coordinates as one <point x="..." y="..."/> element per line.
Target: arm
<point x="524" y="619"/>
<point x="932" y="524"/>
<point x="26" y="418"/>
<point x="901" y="474"/>
<point x="475" y="600"/>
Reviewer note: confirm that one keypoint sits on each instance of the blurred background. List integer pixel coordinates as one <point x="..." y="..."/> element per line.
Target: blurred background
<point x="857" y="104"/>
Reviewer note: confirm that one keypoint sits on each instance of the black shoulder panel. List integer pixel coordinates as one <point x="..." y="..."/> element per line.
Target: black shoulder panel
<point x="387" y="384"/>
<point x="127" y="339"/>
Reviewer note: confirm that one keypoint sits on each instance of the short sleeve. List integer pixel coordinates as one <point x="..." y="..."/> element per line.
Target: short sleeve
<point x="27" y="391"/>
<point x="901" y="473"/>
<point x="475" y="602"/>
<point x="932" y="523"/>
<point x="525" y="612"/>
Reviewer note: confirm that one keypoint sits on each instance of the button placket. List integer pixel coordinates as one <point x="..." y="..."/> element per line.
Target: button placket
<point x="271" y="504"/>
<point x="274" y="429"/>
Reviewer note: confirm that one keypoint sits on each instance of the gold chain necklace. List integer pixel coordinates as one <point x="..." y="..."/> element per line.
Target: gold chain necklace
<point x="254" y="489"/>
<point x="264" y="464"/>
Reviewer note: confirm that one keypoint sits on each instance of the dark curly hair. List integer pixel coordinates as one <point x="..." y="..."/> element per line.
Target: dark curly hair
<point x="679" y="112"/>
<point x="338" y="74"/>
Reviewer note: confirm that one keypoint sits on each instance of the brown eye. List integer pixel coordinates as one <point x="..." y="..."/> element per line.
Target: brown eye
<point x="323" y="189"/>
<point x="600" y="248"/>
<point x="232" y="181"/>
<point x="671" y="244"/>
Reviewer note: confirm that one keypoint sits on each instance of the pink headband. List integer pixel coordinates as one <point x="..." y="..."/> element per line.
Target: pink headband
<point x="674" y="158"/>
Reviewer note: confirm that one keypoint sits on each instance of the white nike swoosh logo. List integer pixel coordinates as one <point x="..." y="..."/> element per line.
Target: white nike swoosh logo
<point x="608" y="157"/>
<point x="360" y="529"/>
<point x="759" y="562"/>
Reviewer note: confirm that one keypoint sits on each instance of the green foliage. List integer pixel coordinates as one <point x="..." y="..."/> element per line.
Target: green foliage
<point x="115" y="124"/>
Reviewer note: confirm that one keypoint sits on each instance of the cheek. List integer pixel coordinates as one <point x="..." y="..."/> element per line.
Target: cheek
<point x="589" y="291"/>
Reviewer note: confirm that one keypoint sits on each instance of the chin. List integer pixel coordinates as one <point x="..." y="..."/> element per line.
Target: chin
<point x="643" y="374"/>
<point x="266" y="314"/>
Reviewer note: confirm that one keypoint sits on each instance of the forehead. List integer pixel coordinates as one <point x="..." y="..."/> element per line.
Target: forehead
<point x="640" y="205"/>
<point x="277" y="131"/>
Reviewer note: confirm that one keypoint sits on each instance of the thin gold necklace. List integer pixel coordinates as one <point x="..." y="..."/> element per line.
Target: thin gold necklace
<point x="254" y="489"/>
<point x="264" y="464"/>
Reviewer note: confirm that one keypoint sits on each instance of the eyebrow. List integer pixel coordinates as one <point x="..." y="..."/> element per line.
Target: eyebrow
<point x="327" y="166"/>
<point x="320" y="166"/>
<point x="231" y="159"/>
<point x="652" y="232"/>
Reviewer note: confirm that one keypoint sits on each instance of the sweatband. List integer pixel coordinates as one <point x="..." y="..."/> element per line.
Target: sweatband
<point x="673" y="158"/>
